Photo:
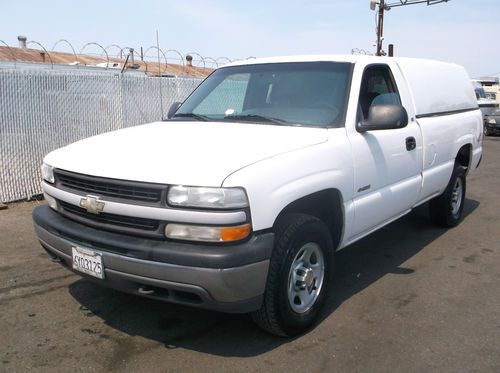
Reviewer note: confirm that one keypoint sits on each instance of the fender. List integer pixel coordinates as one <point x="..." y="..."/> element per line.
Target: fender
<point x="301" y="173"/>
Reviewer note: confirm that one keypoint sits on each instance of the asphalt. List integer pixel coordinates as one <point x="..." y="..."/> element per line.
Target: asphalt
<point x="409" y="298"/>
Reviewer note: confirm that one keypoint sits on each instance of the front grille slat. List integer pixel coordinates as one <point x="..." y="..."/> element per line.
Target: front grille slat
<point x="128" y="193"/>
<point x="112" y="188"/>
<point x="111" y="219"/>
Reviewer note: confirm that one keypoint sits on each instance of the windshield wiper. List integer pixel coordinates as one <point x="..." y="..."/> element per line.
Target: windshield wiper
<point x="257" y="117"/>
<point x="191" y="115"/>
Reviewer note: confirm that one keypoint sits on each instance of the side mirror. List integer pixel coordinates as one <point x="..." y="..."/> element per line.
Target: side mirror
<point x="173" y="109"/>
<point x="384" y="117"/>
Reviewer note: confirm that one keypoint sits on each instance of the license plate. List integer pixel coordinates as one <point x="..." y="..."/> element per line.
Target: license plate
<point x="88" y="261"/>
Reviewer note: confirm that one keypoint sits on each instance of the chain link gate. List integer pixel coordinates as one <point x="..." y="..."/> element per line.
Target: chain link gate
<point x="42" y="110"/>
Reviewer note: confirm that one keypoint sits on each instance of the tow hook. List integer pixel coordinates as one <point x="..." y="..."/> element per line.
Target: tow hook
<point x="145" y="290"/>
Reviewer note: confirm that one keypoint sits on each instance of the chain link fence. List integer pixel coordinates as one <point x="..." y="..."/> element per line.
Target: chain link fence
<point x="42" y="110"/>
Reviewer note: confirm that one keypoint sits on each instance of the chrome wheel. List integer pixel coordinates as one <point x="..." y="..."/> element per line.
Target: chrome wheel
<point x="456" y="196"/>
<point x="306" y="277"/>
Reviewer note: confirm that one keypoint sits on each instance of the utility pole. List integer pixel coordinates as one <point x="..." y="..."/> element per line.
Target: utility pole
<point x="380" y="27"/>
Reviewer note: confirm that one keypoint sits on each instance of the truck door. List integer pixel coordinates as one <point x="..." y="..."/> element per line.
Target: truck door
<point x="387" y="163"/>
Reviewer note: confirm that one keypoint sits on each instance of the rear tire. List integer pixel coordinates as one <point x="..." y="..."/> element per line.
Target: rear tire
<point x="300" y="271"/>
<point x="447" y="209"/>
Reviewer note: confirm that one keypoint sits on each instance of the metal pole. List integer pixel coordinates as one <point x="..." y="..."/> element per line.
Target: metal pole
<point x="380" y="26"/>
<point x="159" y="73"/>
<point x="132" y="58"/>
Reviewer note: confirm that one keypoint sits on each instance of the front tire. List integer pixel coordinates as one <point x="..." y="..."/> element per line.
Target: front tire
<point x="447" y="209"/>
<point x="300" y="271"/>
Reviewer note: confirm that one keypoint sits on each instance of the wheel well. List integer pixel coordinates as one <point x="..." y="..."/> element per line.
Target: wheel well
<point x="326" y="205"/>
<point x="464" y="156"/>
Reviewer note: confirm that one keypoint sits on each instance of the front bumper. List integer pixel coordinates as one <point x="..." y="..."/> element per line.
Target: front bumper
<point x="492" y="128"/>
<point x="229" y="278"/>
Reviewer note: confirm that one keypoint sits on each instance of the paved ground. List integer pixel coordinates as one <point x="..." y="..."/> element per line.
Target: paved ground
<point x="411" y="298"/>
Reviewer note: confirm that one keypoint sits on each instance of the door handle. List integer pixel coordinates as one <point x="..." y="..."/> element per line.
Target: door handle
<point x="411" y="143"/>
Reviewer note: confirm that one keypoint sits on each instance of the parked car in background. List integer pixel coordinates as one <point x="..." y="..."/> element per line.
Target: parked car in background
<point x="492" y="123"/>
<point x="486" y="103"/>
<point x="491" y="87"/>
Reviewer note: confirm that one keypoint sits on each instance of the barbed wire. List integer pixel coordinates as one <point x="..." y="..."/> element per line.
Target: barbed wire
<point x="115" y="46"/>
<point x="213" y="61"/>
<point x="70" y="45"/>
<point x="40" y="45"/>
<point x="361" y="52"/>
<point x="223" y="58"/>
<point x="198" y="61"/>
<point x="11" y="52"/>
<point x="178" y="53"/>
<point x="199" y="55"/>
<point x="100" y="46"/>
<point x="160" y="51"/>
<point x="133" y="52"/>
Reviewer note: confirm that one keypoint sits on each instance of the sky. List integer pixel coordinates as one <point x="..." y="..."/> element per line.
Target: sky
<point x="461" y="31"/>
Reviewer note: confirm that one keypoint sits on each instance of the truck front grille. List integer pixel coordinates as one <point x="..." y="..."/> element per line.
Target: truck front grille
<point x="119" y="189"/>
<point x="120" y="223"/>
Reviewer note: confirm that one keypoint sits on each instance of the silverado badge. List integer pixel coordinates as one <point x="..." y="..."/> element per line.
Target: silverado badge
<point x="92" y="204"/>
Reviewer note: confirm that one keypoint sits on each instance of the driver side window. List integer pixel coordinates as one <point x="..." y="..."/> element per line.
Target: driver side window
<point x="377" y="88"/>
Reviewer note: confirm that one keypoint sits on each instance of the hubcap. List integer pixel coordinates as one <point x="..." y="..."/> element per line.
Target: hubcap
<point x="456" y="196"/>
<point x="306" y="277"/>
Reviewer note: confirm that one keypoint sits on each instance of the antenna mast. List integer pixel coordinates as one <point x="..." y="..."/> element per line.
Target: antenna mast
<point x="384" y="5"/>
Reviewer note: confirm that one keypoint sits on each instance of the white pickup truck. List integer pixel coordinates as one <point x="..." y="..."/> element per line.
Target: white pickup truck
<point x="239" y="201"/>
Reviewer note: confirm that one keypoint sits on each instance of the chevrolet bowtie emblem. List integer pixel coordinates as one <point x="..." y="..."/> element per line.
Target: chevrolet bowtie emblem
<point x="92" y="204"/>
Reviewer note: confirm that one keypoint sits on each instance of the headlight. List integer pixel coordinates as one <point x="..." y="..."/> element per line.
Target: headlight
<point x="218" y="198"/>
<point x="48" y="173"/>
<point x="492" y="121"/>
<point x="207" y="234"/>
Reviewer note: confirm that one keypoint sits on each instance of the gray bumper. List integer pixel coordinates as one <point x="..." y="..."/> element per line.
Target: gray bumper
<point x="235" y="289"/>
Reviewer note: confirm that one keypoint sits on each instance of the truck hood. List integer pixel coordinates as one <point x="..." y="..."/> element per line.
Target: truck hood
<point x="181" y="152"/>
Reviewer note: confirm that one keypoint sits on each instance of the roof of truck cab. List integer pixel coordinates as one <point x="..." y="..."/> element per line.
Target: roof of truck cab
<point x="298" y="58"/>
<point x="350" y="58"/>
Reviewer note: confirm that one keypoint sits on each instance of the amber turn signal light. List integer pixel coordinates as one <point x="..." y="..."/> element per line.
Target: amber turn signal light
<point x="235" y="233"/>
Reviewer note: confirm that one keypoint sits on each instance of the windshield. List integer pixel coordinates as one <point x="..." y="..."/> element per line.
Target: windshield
<point x="480" y="93"/>
<point x="305" y="94"/>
